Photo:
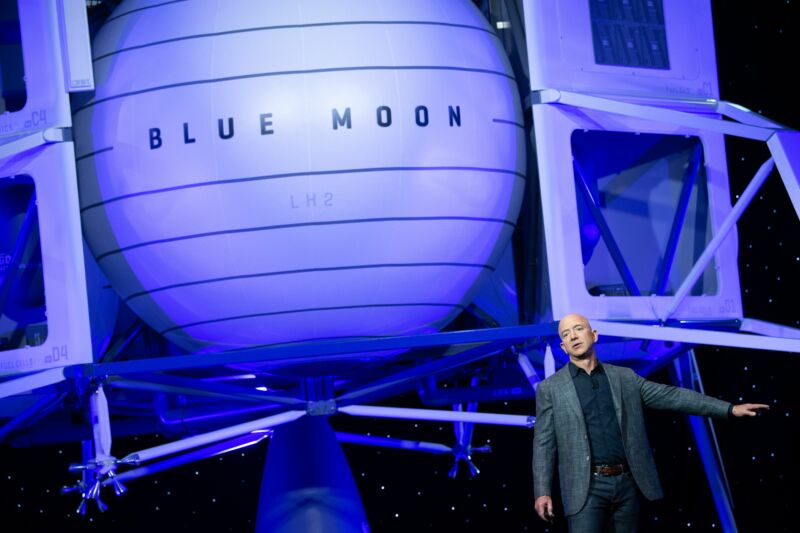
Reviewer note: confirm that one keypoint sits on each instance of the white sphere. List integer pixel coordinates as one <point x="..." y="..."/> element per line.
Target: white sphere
<point x="260" y="172"/>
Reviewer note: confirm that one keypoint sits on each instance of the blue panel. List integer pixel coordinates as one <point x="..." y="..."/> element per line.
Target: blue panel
<point x="629" y="33"/>
<point x="12" y="71"/>
<point x="22" y="300"/>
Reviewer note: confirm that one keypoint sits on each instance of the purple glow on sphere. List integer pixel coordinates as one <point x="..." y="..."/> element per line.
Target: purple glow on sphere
<point x="301" y="170"/>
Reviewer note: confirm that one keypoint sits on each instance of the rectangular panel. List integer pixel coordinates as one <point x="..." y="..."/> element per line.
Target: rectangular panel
<point x="629" y="203"/>
<point x="629" y="33"/>
<point x="643" y="209"/>
<point x="636" y="48"/>
<point x="12" y="69"/>
<point x="38" y="100"/>
<point x="45" y="318"/>
<point x="23" y="309"/>
<point x="596" y="289"/>
<point x="77" y="54"/>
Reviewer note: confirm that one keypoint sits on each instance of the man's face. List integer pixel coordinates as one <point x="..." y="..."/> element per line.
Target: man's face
<point x="577" y="336"/>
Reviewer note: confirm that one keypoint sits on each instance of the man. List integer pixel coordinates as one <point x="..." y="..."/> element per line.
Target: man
<point x="592" y="415"/>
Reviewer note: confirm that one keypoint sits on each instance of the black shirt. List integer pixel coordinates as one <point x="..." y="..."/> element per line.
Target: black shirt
<point x="594" y="393"/>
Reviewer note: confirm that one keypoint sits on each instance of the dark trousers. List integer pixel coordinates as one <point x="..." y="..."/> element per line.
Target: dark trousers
<point x="612" y="506"/>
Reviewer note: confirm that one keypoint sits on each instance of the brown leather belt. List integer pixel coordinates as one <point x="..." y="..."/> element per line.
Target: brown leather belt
<point x="610" y="470"/>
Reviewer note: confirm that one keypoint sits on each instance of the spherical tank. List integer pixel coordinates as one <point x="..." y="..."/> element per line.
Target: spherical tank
<point x="261" y="172"/>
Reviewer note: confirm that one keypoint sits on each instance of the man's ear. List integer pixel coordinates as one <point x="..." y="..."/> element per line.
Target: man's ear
<point x="594" y="333"/>
<point x="563" y="348"/>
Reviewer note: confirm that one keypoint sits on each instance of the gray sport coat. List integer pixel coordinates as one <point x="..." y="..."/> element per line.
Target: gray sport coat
<point x="560" y="430"/>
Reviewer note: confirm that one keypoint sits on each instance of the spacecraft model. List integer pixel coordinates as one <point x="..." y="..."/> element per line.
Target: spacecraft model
<point x="228" y="221"/>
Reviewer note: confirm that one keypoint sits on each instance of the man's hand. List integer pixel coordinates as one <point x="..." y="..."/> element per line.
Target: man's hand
<point x="748" y="409"/>
<point x="544" y="508"/>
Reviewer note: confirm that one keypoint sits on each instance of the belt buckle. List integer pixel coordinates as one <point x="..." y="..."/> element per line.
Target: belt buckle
<point x="610" y="470"/>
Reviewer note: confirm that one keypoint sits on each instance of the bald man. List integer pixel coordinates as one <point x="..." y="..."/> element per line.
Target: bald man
<point x="591" y="416"/>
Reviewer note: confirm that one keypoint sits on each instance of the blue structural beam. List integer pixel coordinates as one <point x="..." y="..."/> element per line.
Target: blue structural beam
<point x="26" y="231"/>
<point x="199" y="387"/>
<point x="114" y="350"/>
<point x="388" y="442"/>
<point x="785" y="148"/>
<point x="605" y="231"/>
<point x="721" y="234"/>
<point x="384" y="387"/>
<point x="41" y="408"/>
<point x="700" y="223"/>
<point x="308" y="351"/>
<point x="677" y="223"/>
<point x="197" y="454"/>
<point x="685" y="374"/>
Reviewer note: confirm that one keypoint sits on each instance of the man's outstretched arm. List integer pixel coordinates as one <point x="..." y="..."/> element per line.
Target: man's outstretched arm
<point x="660" y="396"/>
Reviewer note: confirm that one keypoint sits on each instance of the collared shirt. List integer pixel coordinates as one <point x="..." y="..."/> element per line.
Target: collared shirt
<point x="594" y="393"/>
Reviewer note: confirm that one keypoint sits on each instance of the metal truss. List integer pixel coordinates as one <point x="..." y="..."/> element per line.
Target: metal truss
<point x="101" y="467"/>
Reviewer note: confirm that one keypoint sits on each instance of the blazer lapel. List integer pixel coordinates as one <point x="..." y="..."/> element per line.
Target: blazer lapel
<point x="615" y="384"/>
<point x="570" y="394"/>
